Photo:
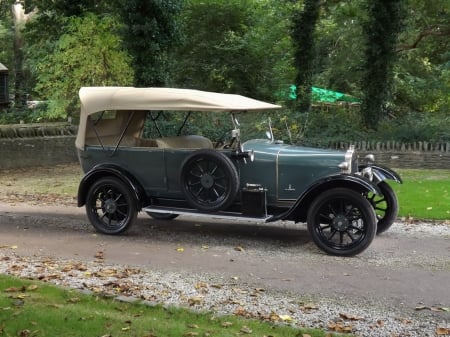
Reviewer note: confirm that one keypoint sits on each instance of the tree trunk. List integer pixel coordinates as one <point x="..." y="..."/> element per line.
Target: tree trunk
<point x="20" y="85"/>
<point x="304" y="24"/>
<point x="381" y="30"/>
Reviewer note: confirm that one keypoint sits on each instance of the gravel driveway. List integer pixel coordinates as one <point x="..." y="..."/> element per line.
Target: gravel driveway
<point x="400" y="286"/>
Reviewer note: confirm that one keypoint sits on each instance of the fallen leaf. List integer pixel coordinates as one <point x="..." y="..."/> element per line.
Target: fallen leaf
<point x="308" y="307"/>
<point x="403" y="320"/>
<point x="442" y="331"/>
<point x="24" y="333"/>
<point x="339" y="327"/>
<point x="420" y="307"/>
<point x="12" y="290"/>
<point x="195" y="300"/>
<point x="350" y="317"/>
<point x="74" y="300"/>
<point x="285" y="318"/>
<point x="193" y="326"/>
<point x="201" y="285"/>
<point x="180" y="249"/>
<point x="246" y="329"/>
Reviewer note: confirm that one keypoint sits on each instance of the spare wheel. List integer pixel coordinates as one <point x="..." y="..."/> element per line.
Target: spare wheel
<point x="209" y="180"/>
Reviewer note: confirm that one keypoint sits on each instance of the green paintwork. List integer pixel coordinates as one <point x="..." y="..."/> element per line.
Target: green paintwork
<point x="285" y="171"/>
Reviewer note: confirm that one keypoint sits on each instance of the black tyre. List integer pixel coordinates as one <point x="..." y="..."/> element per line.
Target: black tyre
<point x="110" y="206"/>
<point x="341" y="222"/>
<point x="209" y="180"/>
<point x="385" y="205"/>
<point x="162" y="216"/>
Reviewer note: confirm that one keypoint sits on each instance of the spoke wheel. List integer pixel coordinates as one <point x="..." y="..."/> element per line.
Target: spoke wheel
<point x="209" y="180"/>
<point x="110" y="206"/>
<point x="385" y="206"/>
<point x="162" y="216"/>
<point x="341" y="222"/>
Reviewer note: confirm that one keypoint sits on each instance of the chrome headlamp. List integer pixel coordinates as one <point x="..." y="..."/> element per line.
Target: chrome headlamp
<point x="346" y="165"/>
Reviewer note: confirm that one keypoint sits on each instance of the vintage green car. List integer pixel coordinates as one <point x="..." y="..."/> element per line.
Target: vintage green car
<point x="344" y="204"/>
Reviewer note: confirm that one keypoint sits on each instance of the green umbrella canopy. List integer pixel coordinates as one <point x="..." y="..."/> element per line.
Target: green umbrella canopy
<point x="324" y="95"/>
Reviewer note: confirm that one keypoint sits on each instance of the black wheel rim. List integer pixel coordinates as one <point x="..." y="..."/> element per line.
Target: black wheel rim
<point x="379" y="204"/>
<point x="207" y="182"/>
<point x="110" y="207"/>
<point x="340" y="224"/>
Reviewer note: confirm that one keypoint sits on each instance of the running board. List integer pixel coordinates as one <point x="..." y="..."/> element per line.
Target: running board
<point x="197" y="213"/>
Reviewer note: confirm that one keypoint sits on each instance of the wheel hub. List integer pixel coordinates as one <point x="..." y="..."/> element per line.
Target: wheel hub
<point x="341" y="223"/>
<point x="207" y="180"/>
<point x="110" y="206"/>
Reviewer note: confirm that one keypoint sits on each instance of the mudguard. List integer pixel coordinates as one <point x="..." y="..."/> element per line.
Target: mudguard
<point x="299" y="210"/>
<point x="381" y="173"/>
<point x="103" y="170"/>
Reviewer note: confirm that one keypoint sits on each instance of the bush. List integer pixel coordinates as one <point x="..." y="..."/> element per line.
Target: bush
<point x="415" y="127"/>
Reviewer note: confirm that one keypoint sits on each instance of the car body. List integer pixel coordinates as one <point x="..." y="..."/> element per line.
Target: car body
<point x="343" y="203"/>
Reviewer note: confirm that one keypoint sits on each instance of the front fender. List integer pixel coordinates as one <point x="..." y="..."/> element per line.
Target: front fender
<point x="104" y="170"/>
<point x="299" y="210"/>
<point x="382" y="173"/>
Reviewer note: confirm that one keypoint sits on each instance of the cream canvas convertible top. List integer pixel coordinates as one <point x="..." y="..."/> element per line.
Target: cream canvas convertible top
<point x="94" y="99"/>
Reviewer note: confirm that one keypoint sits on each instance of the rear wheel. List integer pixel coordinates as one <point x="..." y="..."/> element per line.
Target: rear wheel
<point x="341" y="222"/>
<point x="110" y="206"/>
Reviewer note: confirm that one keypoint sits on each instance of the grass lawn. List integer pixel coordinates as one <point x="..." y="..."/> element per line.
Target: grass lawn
<point x="424" y="194"/>
<point x="31" y="308"/>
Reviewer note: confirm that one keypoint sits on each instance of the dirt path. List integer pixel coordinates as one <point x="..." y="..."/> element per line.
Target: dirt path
<point x="406" y="267"/>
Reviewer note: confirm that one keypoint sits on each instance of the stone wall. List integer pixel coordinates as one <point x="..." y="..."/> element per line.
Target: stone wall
<point x="47" y="145"/>
<point x="37" y="151"/>
<point x="402" y="155"/>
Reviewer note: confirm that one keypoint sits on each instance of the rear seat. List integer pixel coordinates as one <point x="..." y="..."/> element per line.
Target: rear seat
<point x="185" y="142"/>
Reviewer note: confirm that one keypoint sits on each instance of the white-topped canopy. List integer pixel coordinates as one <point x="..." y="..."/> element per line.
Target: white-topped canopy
<point x="94" y="99"/>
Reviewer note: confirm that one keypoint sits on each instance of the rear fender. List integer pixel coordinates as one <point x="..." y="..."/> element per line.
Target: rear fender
<point x="104" y="170"/>
<point x="299" y="210"/>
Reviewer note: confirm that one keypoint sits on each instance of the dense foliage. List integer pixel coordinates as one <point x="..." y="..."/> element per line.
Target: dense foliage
<point x="303" y="27"/>
<point x="400" y="71"/>
<point x="381" y="30"/>
<point x="149" y="30"/>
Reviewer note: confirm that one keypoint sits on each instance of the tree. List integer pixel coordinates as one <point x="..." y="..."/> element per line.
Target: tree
<point x="87" y="54"/>
<point x="303" y="27"/>
<point x="339" y="39"/>
<point x="422" y="72"/>
<point x="20" y="18"/>
<point x="150" y="31"/>
<point x="381" y="30"/>
<point x="236" y="49"/>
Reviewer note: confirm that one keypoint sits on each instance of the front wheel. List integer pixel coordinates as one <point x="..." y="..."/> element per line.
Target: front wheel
<point x="342" y="222"/>
<point x="110" y="206"/>
<point x="385" y="205"/>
